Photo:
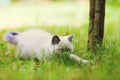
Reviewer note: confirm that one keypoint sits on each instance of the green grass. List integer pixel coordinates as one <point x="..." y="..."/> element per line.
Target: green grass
<point x="107" y="60"/>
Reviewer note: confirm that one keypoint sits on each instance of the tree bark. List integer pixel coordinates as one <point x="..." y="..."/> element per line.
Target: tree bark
<point x="96" y="25"/>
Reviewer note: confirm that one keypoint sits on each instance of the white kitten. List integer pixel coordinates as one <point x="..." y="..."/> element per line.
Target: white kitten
<point x="37" y="43"/>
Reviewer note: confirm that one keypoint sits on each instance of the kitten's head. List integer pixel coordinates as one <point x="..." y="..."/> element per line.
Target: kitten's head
<point x="63" y="43"/>
<point x="11" y="37"/>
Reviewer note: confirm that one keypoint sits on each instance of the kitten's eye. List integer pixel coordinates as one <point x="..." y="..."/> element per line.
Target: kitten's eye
<point x="68" y="50"/>
<point x="65" y="49"/>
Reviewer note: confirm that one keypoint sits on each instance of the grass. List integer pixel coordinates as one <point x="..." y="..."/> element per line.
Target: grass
<point x="107" y="60"/>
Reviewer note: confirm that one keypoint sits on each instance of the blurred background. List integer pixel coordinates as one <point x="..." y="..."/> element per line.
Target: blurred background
<point x="18" y="13"/>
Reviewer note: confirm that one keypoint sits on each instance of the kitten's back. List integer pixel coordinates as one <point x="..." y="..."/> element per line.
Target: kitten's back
<point x="34" y="36"/>
<point x="32" y="41"/>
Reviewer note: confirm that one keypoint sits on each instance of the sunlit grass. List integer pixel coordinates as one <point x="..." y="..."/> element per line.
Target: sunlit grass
<point x="106" y="63"/>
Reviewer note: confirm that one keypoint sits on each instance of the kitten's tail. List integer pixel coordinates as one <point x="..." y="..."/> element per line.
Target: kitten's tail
<point x="11" y="37"/>
<point x="78" y="59"/>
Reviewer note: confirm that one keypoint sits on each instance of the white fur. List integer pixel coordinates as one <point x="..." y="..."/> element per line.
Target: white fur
<point x="78" y="59"/>
<point x="37" y="43"/>
<point x="32" y="42"/>
<point x="11" y="38"/>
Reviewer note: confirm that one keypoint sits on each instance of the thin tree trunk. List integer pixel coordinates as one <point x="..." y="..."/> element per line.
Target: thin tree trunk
<point x="91" y="41"/>
<point x="96" y="25"/>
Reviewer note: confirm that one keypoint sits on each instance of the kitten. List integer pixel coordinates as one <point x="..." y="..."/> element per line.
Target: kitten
<point x="37" y="43"/>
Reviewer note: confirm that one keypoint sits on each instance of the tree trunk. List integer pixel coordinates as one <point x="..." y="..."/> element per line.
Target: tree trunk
<point x="96" y="25"/>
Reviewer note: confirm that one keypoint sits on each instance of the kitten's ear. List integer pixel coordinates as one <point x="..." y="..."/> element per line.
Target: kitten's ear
<point x="70" y="37"/>
<point x="55" y="39"/>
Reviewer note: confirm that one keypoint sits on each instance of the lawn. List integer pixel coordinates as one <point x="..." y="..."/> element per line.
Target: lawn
<point x="106" y="63"/>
